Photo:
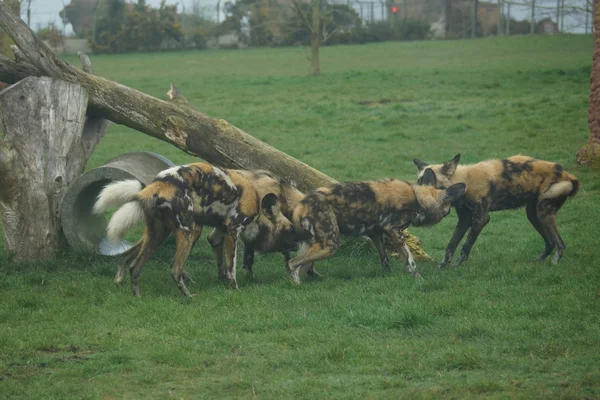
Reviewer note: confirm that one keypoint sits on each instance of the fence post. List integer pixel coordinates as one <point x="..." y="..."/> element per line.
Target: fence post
<point x="507" y="19"/>
<point x="372" y="11"/>
<point x="587" y="14"/>
<point x="500" y="19"/>
<point x="474" y="21"/>
<point x="562" y="16"/>
<point x="532" y="30"/>
<point x="557" y="13"/>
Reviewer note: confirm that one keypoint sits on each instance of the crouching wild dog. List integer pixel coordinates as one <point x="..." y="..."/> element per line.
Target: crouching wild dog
<point x="495" y="185"/>
<point x="378" y="209"/>
<point x="181" y="200"/>
<point x="265" y="234"/>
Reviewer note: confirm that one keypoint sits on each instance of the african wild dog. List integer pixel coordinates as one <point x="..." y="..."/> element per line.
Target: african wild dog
<point x="495" y="185"/>
<point x="378" y="209"/>
<point x="181" y="200"/>
<point x="264" y="235"/>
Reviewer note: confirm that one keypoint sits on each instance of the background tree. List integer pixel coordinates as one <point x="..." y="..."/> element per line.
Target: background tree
<point x="5" y="40"/>
<point x="80" y="13"/>
<point x="137" y="28"/>
<point x="316" y="19"/>
<point x="52" y="34"/>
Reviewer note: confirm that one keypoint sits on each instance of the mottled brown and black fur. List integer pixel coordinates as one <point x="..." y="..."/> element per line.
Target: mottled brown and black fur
<point x="542" y="187"/>
<point x="377" y="209"/>
<point x="181" y="200"/>
<point x="264" y="235"/>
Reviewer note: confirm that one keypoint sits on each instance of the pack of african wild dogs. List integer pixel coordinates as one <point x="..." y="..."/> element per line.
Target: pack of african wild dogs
<point x="269" y="214"/>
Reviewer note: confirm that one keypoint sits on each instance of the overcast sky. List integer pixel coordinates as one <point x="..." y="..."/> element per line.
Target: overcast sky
<point x="45" y="11"/>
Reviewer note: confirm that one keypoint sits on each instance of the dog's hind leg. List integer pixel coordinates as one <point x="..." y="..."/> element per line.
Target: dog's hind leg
<point x="184" y="241"/>
<point x="534" y="220"/>
<point x="128" y="257"/>
<point x="546" y="211"/>
<point x="154" y="235"/>
<point x="187" y="278"/>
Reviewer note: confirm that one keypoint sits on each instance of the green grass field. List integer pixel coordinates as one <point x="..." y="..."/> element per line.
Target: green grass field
<point x="499" y="326"/>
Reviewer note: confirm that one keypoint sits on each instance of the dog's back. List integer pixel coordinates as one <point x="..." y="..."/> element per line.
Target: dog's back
<point x="509" y="183"/>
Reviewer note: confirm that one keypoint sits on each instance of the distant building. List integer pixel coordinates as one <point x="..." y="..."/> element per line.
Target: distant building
<point x="452" y="14"/>
<point x="548" y="27"/>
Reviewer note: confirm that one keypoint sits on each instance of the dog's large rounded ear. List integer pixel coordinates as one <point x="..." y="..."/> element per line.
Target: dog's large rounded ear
<point x="449" y="167"/>
<point x="420" y="164"/>
<point x="269" y="205"/>
<point x="455" y="192"/>
<point x="428" y="178"/>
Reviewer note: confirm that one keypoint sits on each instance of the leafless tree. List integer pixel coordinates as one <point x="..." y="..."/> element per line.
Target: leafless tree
<point x="317" y="26"/>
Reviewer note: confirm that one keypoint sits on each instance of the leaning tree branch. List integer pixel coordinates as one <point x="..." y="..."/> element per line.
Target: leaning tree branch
<point x="214" y="140"/>
<point x="175" y="121"/>
<point x="12" y="71"/>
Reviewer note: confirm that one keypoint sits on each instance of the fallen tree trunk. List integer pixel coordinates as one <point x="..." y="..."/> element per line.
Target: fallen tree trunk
<point x="175" y="122"/>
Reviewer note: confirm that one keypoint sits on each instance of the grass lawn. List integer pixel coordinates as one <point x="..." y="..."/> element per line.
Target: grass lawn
<point x="499" y="326"/>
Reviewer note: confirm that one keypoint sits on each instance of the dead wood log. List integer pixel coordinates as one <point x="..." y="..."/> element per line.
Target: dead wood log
<point x="175" y="122"/>
<point x="43" y="150"/>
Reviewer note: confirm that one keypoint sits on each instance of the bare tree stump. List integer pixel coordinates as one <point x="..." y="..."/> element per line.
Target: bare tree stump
<point x="45" y="147"/>
<point x="589" y="154"/>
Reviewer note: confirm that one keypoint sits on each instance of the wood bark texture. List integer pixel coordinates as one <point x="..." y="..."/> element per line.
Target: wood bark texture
<point x="175" y="122"/>
<point x="41" y="153"/>
<point x="589" y="154"/>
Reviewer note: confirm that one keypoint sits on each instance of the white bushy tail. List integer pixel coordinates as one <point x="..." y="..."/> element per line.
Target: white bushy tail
<point x="124" y="219"/>
<point x="560" y="189"/>
<point x="121" y="193"/>
<point x="116" y="194"/>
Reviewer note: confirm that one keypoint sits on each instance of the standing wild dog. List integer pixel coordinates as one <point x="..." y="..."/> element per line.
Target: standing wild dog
<point x="181" y="200"/>
<point x="265" y="234"/>
<point x="378" y="209"/>
<point x="495" y="185"/>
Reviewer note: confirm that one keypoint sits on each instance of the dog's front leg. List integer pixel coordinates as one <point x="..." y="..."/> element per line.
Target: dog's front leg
<point x="215" y="239"/>
<point x="397" y="239"/>
<point x="481" y="218"/>
<point x="249" y="259"/>
<point x="315" y="252"/>
<point x="465" y="220"/>
<point x="377" y="240"/>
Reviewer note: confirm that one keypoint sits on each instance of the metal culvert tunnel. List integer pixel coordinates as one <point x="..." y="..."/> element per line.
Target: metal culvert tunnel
<point x="87" y="232"/>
